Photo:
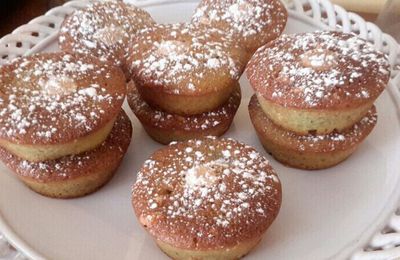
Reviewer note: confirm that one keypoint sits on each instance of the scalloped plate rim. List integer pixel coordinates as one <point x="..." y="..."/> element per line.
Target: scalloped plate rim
<point x="348" y="250"/>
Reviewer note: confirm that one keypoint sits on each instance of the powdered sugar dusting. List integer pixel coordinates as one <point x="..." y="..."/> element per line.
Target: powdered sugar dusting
<point x="200" y="176"/>
<point x="180" y="59"/>
<point x="47" y="94"/>
<point x="103" y="29"/>
<point x="311" y="69"/>
<point x="224" y="184"/>
<point x="254" y="20"/>
<point x="110" y="35"/>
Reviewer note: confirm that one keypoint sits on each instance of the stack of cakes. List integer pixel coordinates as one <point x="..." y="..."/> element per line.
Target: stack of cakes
<point x="184" y="83"/>
<point x="315" y="94"/>
<point x="62" y="129"/>
<point x="184" y="77"/>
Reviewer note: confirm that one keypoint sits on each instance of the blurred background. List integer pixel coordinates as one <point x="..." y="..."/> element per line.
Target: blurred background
<point x="387" y="13"/>
<point x="14" y="13"/>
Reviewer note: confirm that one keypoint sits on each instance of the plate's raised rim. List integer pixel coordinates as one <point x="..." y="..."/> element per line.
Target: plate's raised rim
<point x="41" y="31"/>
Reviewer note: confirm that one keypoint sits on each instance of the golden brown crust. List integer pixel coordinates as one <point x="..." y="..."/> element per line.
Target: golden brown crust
<point x="304" y="160"/>
<point x="103" y="29"/>
<point x="165" y="136"/>
<point x="319" y="70"/>
<point x="290" y="147"/>
<point x="185" y="105"/>
<point x="56" y="98"/>
<point x="40" y="153"/>
<point x="72" y="188"/>
<point x="252" y="23"/>
<point x="235" y="252"/>
<point x="107" y="156"/>
<point x="319" y="121"/>
<point x="206" y="194"/>
<point x="165" y="127"/>
<point x="174" y="63"/>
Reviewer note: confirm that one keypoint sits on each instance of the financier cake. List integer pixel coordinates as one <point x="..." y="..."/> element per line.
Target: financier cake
<point x="206" y="198"/>
<point x="318" y="82"/>
<point x="252" y="23"/>
<point x="57" y="104"/>
<point x="309" y="151"/>
<point x="75" y="175"/>
<point x="184" y="70"/>
<point x="165" y="127"/>
<point x="103" y="29"/>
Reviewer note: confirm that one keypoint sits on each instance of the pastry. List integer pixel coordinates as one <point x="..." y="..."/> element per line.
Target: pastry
<point x="165" y="127"/>
<point x="57" y="104"/>
<point x="318" y="82"/>
<point x="252" y="23"/>
<point x="184" y="70"/>
<point x="206" y="198"/>
<point x="103" y="29"/>
<point x="309" y="151"/>
<point x="75" y="175"/>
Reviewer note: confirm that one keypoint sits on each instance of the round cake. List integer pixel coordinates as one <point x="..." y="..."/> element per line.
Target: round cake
<point x="310" y="151"/>
<point x="252" y="23"/>
<point x="164" y="127"/>
<point x="103" y="29"/>
<point x="183" y="70"/>
<point x="56" y="104"/>
<point x="75" y="175"/>
<point x="318" y="82"/>
<point x="207" y="198"/>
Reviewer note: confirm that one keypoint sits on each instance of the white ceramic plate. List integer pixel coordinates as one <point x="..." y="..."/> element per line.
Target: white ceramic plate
<point x="325" y="214"/>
